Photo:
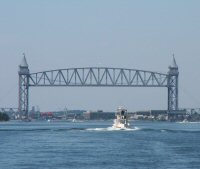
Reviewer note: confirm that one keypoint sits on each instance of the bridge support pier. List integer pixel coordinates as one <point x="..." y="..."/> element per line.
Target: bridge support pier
<point x="23" y="100"/>
<point x="173" y="86"/>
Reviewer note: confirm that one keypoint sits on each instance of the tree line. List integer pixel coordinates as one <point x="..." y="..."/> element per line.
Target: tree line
<point x="4" y="117"/>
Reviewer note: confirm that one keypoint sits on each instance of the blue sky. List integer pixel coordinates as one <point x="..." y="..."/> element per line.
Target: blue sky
<point x="116" y="33"/>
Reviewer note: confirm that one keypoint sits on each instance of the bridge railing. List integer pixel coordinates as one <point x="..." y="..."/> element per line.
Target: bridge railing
<point x="93" y="76"/>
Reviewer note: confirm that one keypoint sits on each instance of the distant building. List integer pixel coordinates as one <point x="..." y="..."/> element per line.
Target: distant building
<point x="46" y="115"/>
<point x="177" y="115"/>
<point x="98" y="115"/>
<point x="160" y="115"/>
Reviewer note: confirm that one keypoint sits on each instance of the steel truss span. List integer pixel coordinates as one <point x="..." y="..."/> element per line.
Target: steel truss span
<point x="99" y="76"/>
<point x="96" y="77"/>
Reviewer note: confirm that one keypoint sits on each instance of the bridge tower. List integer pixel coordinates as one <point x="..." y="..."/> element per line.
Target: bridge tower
<point x="173" y="86"/>
<point x="23" y="100"/>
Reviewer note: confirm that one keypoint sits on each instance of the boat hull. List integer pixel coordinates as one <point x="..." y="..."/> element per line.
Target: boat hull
<point x="120" y="124"/>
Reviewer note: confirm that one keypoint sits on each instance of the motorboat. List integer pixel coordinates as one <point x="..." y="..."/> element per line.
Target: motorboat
<point x="121" y="120"/>
<point x="74" y="119"/>
<point x="184" y="121"/>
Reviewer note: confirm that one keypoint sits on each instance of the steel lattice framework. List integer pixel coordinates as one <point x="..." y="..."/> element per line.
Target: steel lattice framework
<point x="97" y="77"/>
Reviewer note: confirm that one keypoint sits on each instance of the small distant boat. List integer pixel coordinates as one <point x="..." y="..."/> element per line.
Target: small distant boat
<point x="74" y="119"/>
<point x="184" y="121"/>
<point x="121" y="120"/>
<point x="26" y="119"/>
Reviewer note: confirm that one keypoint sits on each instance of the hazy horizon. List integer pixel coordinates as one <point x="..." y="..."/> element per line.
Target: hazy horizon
<point x="129" y="34"/>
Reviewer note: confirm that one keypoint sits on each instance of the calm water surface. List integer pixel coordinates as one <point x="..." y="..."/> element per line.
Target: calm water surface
<point x="93" y="144"/>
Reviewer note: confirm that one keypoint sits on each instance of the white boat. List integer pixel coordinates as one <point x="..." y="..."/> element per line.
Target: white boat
<point x="184" y="121"/>
<point x="74" y="119"/>
<point x="121" y="120"/>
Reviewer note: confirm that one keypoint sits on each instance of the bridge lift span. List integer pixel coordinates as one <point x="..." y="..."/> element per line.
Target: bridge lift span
<point x="96" y="77"/>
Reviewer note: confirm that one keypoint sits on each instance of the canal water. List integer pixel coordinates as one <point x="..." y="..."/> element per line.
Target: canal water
<point x="95" y="145"/>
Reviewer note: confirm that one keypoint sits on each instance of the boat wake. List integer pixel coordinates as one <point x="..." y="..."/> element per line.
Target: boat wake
<point x="163" y="130"/>
<point x="113" y="129"/>
<point x="188" y="122"/>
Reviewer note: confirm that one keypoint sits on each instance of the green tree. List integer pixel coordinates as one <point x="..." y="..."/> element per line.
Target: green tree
<point x="4" y="117"/>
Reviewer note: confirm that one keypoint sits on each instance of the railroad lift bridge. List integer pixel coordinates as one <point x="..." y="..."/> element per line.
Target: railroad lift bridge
<point x="96" y="77"/>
